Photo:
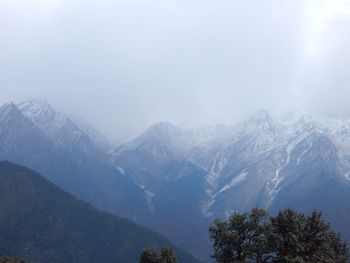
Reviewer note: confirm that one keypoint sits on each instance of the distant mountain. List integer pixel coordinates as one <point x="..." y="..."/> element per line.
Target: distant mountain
<point x="174" y="186"/>
<point x="274" y="163"/>
<point x="41" y="223"/>
<point x="20" y="139"/>
<point x="145" y="157"/>
<point x="254" y="164"/>
<point x="35" y="135"/>
<point x="57" y="126"/>
<point x="176" y="181"/>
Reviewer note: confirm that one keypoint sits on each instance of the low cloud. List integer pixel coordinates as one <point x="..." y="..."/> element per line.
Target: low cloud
<point x="126" y="64"/>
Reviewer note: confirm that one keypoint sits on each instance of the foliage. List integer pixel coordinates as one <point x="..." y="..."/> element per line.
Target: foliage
<point x="288" y="237"/>
<point x="149" y="256"/>
<point x="166" y="255"/>
<point x="10" y="260"/>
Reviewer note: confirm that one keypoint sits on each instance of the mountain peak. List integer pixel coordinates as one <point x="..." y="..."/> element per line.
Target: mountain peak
<point x="162" y="131"/>
<point x="162" y="125"/>
<point x="261" y="119"/>
<point x="37" y="109"/>
<point x="8" y="109"/>
<point x="261" y="115"/>
<point x="159" y="136"/>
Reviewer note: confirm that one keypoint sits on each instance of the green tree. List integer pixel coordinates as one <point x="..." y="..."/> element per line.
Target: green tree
<point x="229" y="238"/>
<point x="285" y="235"/>
<point x="241" y="238"/>
<point x="289" y="237"/>
<point x="10" y="260"/>
<point x="166" y="255"/>
<point x="149" y="256"/>
<point x="299" y="238"/>
<point x="258" y="233"/>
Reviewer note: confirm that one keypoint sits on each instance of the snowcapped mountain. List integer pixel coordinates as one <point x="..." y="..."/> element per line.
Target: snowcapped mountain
<point x="19" y="136"/>
<point x="176" y="180"/>
<point x="35" y="135"/>
<point x="261" y="161"/>
<point x="249" y="167"/>
<point x="174" y="185"/>
<point x="147" y="158"/>
<point x="160" y="139"/>
<point x="57" y="126"/>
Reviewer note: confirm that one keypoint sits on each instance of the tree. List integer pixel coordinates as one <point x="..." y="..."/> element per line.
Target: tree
<point x="10" y="260"/>
<point x="288" y="237"/>
<point x="241" y="238"/>
<point x="286" y="234"/>
<point x="299" y="238"/>
<point x="258" y="229"/>
<point x="151" y="256"/>
<point x="167" y="256"/>
<point x="229" y="238"/>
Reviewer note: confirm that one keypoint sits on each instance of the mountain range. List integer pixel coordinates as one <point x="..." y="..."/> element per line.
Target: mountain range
<point x="176" y="181"/>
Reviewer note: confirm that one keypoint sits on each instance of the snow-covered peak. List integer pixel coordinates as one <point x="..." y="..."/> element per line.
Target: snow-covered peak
<point x="260" y="124"/>
<point x="57" y="126"/>
<point x="260" y="117"/>
<point x="37" y="110"/>
<point x="161" y="139"/>
<point x="44" y="116"/>
<point x="162" y="131"/>
<point x="7" y="110"/>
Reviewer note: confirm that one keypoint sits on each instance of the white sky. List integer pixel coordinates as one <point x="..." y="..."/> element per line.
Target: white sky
<point x="125" y="64"/>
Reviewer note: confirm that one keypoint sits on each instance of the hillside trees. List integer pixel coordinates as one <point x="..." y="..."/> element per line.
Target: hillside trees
<point x="166" y="255"/>
<point x="10" y="260"/>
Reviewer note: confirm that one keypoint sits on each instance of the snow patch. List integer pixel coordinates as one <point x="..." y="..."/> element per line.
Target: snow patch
<point x="240" y="178"/>
<point x="272" y="187"/>
<point x="149" y="197"/>
<point x="206" y="206"/>
<point x="218" y="165"/>
<point x="121" y="170"/>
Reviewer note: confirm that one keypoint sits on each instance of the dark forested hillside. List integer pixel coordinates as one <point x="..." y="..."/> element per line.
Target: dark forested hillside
<point x="39" y="222"/>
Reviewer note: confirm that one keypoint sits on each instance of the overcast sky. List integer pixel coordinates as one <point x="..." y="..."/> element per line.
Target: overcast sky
<point x="125" y="64"/>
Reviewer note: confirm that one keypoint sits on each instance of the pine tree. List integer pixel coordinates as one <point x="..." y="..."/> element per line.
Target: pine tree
<point x="286" y="234"/>
<point x="297" y="238"/>
<point x="289" y="237"/>
<point x="229" y="238"/>
<point x="258" y="229"/>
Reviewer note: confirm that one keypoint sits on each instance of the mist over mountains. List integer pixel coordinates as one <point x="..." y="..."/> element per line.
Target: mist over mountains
<point x="175" y="180"/>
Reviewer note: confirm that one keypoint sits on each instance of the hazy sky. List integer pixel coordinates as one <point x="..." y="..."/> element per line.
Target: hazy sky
<point x="124" y="64"/>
